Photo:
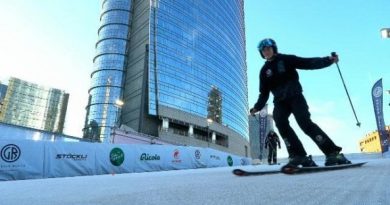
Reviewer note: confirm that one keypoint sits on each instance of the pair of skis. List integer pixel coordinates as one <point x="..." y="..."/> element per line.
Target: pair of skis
<point x="295" y="170"/>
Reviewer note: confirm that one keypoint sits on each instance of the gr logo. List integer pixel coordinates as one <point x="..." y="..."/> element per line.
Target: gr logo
<point x="10" y="153"/>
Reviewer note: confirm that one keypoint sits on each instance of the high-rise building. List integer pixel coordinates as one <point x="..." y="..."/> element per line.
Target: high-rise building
<point x="3" y="90"/>
<point x="34" y="106"/>
<point x="163" y="59"/>
<point x="257" y="146"/>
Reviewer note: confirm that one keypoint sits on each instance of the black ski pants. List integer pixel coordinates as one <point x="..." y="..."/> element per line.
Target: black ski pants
<point x="297" y="106"/>
<point x="272" y="155"/>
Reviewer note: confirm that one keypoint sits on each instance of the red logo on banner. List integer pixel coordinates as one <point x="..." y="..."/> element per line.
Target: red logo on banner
<point x="176" y="156"/>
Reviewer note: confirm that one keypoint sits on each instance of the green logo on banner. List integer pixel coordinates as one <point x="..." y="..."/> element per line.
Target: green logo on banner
<point x="117" y="156"/>
<point x="230" y="161"/>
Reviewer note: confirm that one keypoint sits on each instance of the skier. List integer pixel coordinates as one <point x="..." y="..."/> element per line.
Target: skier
<point x="279" y="76"/>
<point x="271" y="141"/>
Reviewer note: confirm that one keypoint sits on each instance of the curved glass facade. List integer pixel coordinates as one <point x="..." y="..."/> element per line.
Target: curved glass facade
<point x="198" y="46"/>
<point x="109" y="67"/>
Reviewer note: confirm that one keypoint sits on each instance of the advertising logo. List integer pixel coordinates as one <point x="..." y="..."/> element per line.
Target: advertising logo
<point x="117" y="156"/>
<point x="197" y="154"/>
<point x="377" y="92"/>
<point x="147" y="157"/>
<point x="243" y="161"/>
<point x="10" y="153"/>
<point x="176" y="156"/>
<point x="215" y="157"/>
<point x="230" y="161"/>
<point x="75" y="157"/>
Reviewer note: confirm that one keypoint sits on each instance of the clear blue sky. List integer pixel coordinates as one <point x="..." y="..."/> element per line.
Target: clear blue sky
<point x="57" y="38"/>
<point x="52" y="43"/>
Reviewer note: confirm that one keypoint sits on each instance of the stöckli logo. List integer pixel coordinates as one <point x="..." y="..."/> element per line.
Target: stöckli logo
<point x="10" y="153"/>
<point x="117" y="156"/>
<point x="71" y="156"/>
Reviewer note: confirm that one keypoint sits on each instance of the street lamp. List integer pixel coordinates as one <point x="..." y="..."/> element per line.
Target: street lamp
<point x="385" y="32"/>
<point x="119" y="103"/>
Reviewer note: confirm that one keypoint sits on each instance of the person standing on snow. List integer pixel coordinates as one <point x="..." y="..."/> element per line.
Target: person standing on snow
<point x="271" y="142"/>
<point x="280" y="77"/>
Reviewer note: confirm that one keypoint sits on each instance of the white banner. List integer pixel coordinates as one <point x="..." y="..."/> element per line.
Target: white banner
<point x="65" y="159"/>
<point x="27" y="159"/>
<point x="21" y="159"/>
<point x="115" y="159"/>
<point x="179" y="157"/>
<point x="199" y="157"/>
<point x="241" y="161"/>
<point x="216" y="158"/>
<point x="150" y="158"/>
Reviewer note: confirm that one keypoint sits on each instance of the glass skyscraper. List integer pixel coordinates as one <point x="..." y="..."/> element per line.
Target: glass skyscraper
<point x="3" y="90"/>
<point x="108" y="74"/>
<point x="173" y="64"/>
<point x="34" y="106"/>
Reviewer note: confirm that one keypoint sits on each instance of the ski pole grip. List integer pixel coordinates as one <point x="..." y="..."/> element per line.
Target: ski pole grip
<point x="333" y="54"/>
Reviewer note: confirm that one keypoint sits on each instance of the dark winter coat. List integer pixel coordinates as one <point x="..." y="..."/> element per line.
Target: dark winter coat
<point x="280" y="76"/>
<point x="272" y="141"/>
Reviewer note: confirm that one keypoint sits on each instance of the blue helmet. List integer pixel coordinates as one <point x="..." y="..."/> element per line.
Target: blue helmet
<point x="268" y="42"/>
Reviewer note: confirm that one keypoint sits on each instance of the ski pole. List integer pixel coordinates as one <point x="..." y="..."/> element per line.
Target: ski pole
<point x="345" y="87"/>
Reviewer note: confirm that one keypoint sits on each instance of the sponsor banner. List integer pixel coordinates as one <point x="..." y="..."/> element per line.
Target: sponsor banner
<point x="223" y="159"/>
<point x="65" y="159"/>
<point x="151" y="158"/>
<point x="263" y="129"/>
<point x="21" y="159"/>
<point x="377" y="99"/>
<point x="216" y="158"/>
<point x="240" y="161"/>
<point x="179" y="157"/>
<point x="248" y="161"/>
<point x="199" y="157"/>
<point x="115" y="159"/>
<point x="25" y="159"/>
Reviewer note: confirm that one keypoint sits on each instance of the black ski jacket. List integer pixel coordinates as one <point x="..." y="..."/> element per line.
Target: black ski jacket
<point x="272" y="141"/>
<point x="280" y="76"/>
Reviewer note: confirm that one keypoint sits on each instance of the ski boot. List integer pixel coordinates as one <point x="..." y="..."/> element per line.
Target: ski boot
<point x="296" y="162"/>
<point x="336" y="158"/>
